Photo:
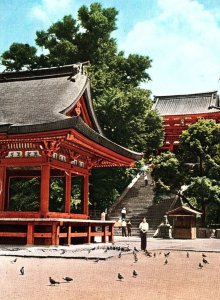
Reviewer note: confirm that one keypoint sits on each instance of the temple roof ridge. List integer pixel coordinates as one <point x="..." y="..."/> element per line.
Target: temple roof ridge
<point x="188" y="95"/>
<point x="42" y="73"/>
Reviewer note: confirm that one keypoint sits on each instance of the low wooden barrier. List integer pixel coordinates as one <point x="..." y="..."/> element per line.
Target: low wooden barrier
<point x="41" y="231"/>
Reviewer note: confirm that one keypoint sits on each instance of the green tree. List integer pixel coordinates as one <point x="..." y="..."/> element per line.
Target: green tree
<point x="21" y="194"/>
<point x="122" y="107"/>
<point x="19" y="56"/>
<point x="196" y="168"/>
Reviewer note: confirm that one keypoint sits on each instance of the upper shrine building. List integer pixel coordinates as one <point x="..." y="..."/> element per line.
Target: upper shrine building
<point x="48" y="129"/>
<point x="179" y="111"/>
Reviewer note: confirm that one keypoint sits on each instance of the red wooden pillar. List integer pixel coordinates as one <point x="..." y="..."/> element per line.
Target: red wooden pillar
<point x="89" y="233"/>
<point x="54" y="234"/>
<point x="45" y="190"/>
<point x="69" y="231"/>
<point x="68" y="192"/>
<point x="58" y="235"/>
<point x="2" y="186"/>
<point x="30" y="234"/>
<point x="104" y="230"/>
<point x="86" y="195"/>
<point x="111" y="229"/>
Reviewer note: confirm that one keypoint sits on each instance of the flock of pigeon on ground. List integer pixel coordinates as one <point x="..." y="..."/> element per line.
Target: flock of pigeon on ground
<point x="120" y="276"/>
<point x="166" y="255"/>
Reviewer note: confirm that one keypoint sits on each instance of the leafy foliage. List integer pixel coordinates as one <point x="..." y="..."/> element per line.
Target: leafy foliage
<point x="22" y="197"/>
<point x="19" y="56"/>
<point x="197" y="168"/>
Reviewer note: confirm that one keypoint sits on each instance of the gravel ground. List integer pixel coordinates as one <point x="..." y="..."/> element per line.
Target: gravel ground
<point x="181" y="278"/>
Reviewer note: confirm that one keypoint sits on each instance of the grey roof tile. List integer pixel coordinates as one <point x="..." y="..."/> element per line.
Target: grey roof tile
<point x="186" y="104"/>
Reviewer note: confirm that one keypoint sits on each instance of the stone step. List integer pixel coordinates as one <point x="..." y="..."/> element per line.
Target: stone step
<point x="139" y="203"/>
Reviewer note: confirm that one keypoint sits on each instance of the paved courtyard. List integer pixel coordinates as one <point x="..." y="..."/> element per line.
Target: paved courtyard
<point x="95" y="267"/>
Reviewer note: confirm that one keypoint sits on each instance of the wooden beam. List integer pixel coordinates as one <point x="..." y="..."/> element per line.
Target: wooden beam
<point x="45" y="190"/>
<point x="67" y="192"/>
<point x="30" y="236"/>
<point x="86" y="195"/>
<point x="2" y="186"/>
<point x="69" y="234"/>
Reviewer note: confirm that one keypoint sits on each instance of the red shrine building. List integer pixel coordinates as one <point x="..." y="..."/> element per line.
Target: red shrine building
<point x="48" y="130"/>
<point x="179" y="111"/>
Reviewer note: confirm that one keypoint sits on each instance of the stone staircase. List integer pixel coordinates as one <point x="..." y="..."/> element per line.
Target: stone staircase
<point x="138" y="201"/>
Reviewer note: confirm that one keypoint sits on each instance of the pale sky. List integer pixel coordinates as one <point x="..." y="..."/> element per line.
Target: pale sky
<point x="182" y="37"/>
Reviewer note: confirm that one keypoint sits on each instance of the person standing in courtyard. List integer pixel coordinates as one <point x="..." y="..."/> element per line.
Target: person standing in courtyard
<point x="144" y="227"/>
<point x="129" y="226"/>
<point x="103" y="216"/>
<point x="123" y="227"/>
<point x="123" y="213"/>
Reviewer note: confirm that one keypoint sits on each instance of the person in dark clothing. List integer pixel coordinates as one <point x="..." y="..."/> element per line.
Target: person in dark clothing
<point x="129" y="226"/>
<point x="123" y="227"/>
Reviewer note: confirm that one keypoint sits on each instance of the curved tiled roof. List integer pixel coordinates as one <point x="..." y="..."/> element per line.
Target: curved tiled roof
<point x="187" y="104"/>
<point x="35" y="101"/>
<point x="40" y="96"/>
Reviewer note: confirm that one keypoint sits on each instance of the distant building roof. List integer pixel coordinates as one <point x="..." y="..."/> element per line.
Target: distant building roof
<point x="183" y="209"/>
<point x="187" y="104"/>
<point x="36" y="101"/>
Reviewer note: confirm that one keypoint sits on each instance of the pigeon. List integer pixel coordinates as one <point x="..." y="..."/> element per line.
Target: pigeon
<point x="135" y="273"/>
<point x="120" y="277"/>
<point x="200" y="266"/>
<point x="105" y="250"/>
<point x="53" y="282"/>
<point x="135" y="259"/>
<point x="154" y="254"/>
<point x="68" y="279"/>
<point x="187" y="254"/>
<point x="14" y="261"/>
<point x="205" y="261"/>
<point x="149" y="254"/>
<point x="167" y="254"/>
<point x="119" y="255"/>
<point x="97" y="260"/>
<point x="166" y="262"/>
<point x="135" y="249"/>
<point x="62" y="251"/>
<point x="203" y="255"/>
<point x="22" y="271"/>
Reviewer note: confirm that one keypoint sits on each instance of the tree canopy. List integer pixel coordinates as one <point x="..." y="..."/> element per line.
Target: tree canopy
<point x="123" y="108"/>
<point x="193" y="174"/>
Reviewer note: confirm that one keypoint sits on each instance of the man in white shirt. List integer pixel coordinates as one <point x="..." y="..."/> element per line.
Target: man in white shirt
<point x="123" y="213"/>
<point x="144" y="227"/>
